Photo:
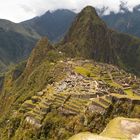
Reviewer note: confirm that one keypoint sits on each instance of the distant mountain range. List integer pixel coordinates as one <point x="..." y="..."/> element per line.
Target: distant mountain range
<point x="17" y="40"/>
<point x="125" y="21"/>
<point x="55" y="24"/>
<point x="52" y="24"/>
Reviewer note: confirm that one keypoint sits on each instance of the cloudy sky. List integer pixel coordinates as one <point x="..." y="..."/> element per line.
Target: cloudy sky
<point x="19" y="10"/>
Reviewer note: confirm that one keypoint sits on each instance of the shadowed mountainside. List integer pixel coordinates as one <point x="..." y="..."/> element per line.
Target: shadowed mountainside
<point x="89" y="37"/>
<point x="52" y="24"/>
<point x="16" y="43"/>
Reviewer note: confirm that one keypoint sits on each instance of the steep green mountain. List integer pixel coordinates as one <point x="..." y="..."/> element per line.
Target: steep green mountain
<point x="89" y="37"/>
<point x="52" y="24"/>
<point x="14" y="47"/>
<point x="16" y="43"/>
<point x="127" y="21"/>
<point x="57" y="94"/>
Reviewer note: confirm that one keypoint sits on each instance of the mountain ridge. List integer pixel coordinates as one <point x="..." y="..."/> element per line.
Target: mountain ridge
<point x="93" y="39"/>
<point x="16" y="43"/>
<point x="126" y="21"/>
<point x="43" y="25"/>
<point x="16" y="27"/>
<point x="121" y="21"/>
<point x="14" y="47"/>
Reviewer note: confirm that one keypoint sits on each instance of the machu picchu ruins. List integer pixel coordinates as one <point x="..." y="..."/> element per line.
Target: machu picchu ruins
<point x="87" y="87"/>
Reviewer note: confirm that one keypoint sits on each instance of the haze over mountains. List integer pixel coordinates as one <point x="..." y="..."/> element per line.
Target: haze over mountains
<point x="17" y="40"/>
<point x="52" y="24"/>
<point x="125" y="21"/>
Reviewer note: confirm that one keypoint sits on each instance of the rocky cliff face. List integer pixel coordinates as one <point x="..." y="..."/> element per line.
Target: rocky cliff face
<point x="118" y="128"/>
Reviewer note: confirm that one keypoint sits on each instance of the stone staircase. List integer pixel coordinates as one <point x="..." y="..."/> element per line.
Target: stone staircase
<point x="73" y="106"/>
<point x="100" y="104"/>
<point x="27" y="106"/>
<point x="59" y="100"/>
<point x="41" y="105"/>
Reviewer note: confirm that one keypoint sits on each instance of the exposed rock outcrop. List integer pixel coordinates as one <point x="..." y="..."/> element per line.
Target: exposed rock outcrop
<point x="118" y="128"/>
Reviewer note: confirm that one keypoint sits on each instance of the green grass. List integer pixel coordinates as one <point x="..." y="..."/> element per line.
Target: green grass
<point x="28" y="102"/>
<point x="131" y="94"/>
<point x="83" y="71"/>
<point x="78" y="101"/>
<point x="71" y="108"/>
<point x="114" y="84"/>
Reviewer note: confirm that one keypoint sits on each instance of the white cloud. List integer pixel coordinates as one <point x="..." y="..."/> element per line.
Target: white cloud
<point x="19" y="10"/>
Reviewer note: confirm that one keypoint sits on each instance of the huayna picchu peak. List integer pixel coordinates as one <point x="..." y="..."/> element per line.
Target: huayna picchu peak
<point x="82" y="88"/>
<point x="90" y="13"/>
<point x="89" y="37"/>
